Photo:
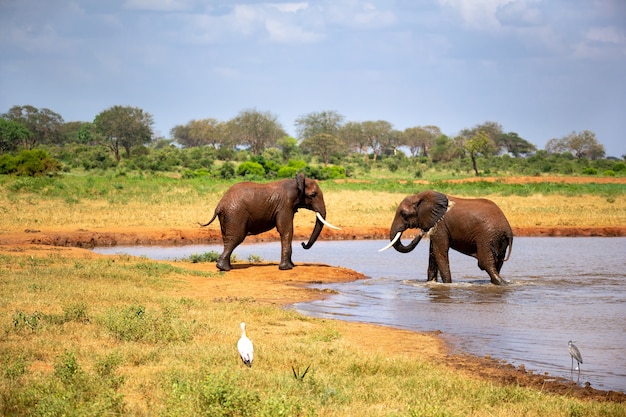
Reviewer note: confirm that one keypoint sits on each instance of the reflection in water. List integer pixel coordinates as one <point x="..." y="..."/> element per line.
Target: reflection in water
<point x="561" y="289"/>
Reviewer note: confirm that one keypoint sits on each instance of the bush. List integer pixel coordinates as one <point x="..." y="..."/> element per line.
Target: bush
<point x="251" y="169"/>
<point x="8" y="164"/>
<point x="30" y="163"/>
<point x="287" y="172"/>
<point x="227" y="170"/>
<point x="619" y="167"/>
<point x="199" y="173"/>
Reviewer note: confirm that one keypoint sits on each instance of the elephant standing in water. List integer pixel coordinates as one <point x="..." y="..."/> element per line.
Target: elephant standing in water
<point x="249" y="208"/>
<point x="474" y="227"/>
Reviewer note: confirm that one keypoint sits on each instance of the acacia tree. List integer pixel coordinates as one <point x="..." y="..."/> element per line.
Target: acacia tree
<point x="420" y="138"/>
<point x="515" y="145"/>
<point x="491" y="131"/>
<point x="479" y="144"/>
<point x="200" y="133"/>
<point x="327" y="121"/>
<point x="581" y="145"/>
<point x="44" y="124"/>
<point x="585" y="145"/>
<point x="322" y="145"/>
<point x="351" y="134"/>
<point x="124" y="127"/>
<point x="378" y="134"/>
<point x="255" y="129"/>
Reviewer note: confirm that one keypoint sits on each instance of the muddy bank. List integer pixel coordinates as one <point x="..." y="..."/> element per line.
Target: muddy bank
<point x="90" y="238"/>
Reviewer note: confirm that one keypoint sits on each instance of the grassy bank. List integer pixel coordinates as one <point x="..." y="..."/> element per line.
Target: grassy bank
<point x="89" y="335"/>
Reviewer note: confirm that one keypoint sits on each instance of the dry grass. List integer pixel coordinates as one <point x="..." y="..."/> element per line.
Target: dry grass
<point x="345" y="208"/>
<point x="90" y="335"/>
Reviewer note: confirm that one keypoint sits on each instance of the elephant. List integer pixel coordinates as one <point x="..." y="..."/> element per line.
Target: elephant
<point x="249" y="208"/>
<point x="474" y="227"/>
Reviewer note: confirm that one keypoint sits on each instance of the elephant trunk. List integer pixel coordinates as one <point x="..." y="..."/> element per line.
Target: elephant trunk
<point x="400" y="247"/>
<point x="319" y="225"/>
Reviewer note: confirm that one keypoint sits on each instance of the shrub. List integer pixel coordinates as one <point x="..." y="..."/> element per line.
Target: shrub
<point x="251" y="169"/>
<point x="198" y="173"/>
<point x="8" y="164"/>
<point x="30" y="163"/>
<point x="287" y="172"/>
<point x="334" y="172"/>
<point x="227" y="170"/>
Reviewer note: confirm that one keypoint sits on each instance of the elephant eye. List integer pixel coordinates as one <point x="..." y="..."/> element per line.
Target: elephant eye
<point x="313" y="194"/>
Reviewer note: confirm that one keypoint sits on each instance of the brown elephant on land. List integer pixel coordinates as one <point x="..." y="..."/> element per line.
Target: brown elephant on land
<point x="474" y="227"/>
<point x="248" y="208"/>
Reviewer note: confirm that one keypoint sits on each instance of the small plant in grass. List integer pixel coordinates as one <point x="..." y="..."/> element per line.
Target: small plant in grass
<point x="137" y="324"/>
<point x="66" y="367"/>
<point x="76" y="312"/>
<point x="69" y="391"/>
<point x="211" y="256"/>
<point x="254" y="259"/>
<point x="25" y="321"/>
<point x="13" y="366"/>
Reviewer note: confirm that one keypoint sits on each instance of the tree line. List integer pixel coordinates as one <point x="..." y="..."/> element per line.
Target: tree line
<point x="127" y="131"/>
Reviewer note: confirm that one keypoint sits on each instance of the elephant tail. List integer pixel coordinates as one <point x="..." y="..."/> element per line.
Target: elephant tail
<point x="210" y="221"/>
<point x="510" y="244"/>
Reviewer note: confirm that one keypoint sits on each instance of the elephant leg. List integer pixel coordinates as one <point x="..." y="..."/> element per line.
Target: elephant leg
<point x="439" y="257"/>
<point x="491" y="263"/>
<point x="432" y="266"/>
<point x="232" y="239"/>
<point x="495" y="276"/>
<point x="286" y="237"/>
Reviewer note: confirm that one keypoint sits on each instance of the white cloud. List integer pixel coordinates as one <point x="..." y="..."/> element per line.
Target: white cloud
<point x="607" y="35"/>
<point x="477" y="14"/>
<point x="601" y="42"/>
<point x="519" y="13"/>
<point x="158" y="5"/>
<point x="285" y="32"/>
<point x="289" y="7"/>
<point x="358" y="14"/>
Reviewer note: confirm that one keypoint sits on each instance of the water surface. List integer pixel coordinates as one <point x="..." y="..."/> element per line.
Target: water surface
<point x="561" y="289"/>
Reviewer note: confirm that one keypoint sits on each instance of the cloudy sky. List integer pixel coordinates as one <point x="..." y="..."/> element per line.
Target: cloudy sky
<point x="539" y="68"/>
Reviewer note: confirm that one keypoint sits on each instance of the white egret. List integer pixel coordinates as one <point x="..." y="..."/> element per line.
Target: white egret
<point x="245" y="348"/>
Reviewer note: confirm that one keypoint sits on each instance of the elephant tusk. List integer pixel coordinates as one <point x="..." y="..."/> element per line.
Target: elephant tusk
<point x="320" y="218"/>
<point x="393" y="242"/>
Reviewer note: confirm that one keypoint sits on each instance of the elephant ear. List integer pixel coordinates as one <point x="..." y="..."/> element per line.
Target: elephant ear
<point x="431" y="208"/>
<point x="300" y="185"/>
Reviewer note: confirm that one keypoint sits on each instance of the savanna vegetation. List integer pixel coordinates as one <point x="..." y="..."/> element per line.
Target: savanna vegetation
<point x="254" y="145"/>
<point x="82" y="334"/>
<point x="89" y="335"/>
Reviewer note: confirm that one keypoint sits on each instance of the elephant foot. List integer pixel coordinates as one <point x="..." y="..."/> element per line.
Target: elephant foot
<point x="223" y="265"/>
<point x="499" y="281"/>
<point x="284" y="266"/>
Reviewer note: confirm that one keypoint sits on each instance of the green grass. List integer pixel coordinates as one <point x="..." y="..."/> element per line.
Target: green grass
<point x="123" y="336"/>
<point x="159" y="189"/>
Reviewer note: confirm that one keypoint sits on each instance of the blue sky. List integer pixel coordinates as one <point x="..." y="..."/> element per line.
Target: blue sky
<point x="539" y="68"/>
